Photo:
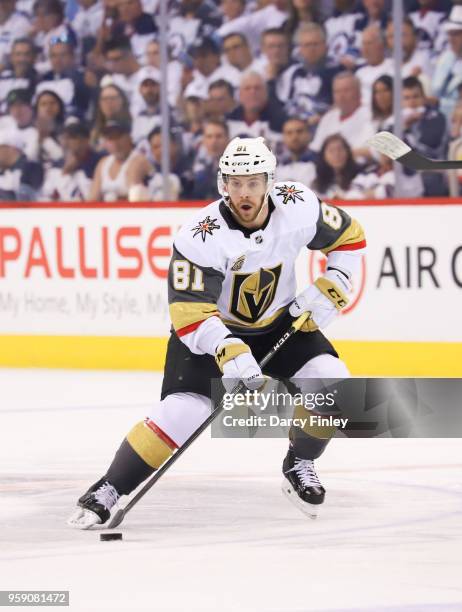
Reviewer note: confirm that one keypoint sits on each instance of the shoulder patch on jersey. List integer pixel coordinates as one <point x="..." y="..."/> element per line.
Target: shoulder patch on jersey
<point x="205" y="228"/>
<point x="289" y="193"/>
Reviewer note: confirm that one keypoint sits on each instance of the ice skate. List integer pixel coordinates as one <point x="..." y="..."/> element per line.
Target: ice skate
<point x="301" y="484"/>
<point x="94" y="507"/>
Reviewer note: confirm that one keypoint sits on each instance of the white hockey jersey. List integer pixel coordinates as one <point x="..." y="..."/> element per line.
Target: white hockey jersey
<point x="223" y="276"/>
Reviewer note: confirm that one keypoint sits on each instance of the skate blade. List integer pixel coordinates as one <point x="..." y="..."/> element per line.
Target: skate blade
<point x="82" y="518"/>
<point x="310" y="510"/>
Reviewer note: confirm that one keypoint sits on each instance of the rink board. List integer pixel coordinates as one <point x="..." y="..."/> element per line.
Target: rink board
<point x="85" y="286"/>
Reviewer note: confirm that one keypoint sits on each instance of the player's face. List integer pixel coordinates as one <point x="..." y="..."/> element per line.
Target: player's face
<point x="246" y="194"/>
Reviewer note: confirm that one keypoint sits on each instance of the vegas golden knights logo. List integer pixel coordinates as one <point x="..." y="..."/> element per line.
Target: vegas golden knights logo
<point x="252" y="294"/>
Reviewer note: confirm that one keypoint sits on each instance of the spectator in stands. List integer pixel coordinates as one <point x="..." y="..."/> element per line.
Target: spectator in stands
<point x="274" y="63"/>
<point x="231" y="9"/>
<point x="20" y="117"/>
<point x="237" y="52"/>
<point x="180" y="160"/>
<point x="207" y="69"/>
<point x="220" y="102"/>
<point x="375" y="62"/>
<point x="302" y="12"/>
<point x="20" y="74"/>
<point x="67" y="78"/>
<point x="252" y="25"/>
<point x="374" y="14"/>
<point x="121" y="65"/>
<point x="25" y="7"/>
<point x="347" y="117"/>
<point x="20" y="179"/>
<point x="342" y="34"/>
<point x="195" y="19"/>
<point x="427" y="21"/>
<point x="112" y="104"/>
<point x="335" y="169"/>
<point x="87" y="22"/>
<point x="215" y="137"/>
<point x="12" y="25"/>
<point x="49" y="24"/>
<point x="110" y="182"/>
<point x="447" y="77"/>
<point x="193" y="121"/>
<point x="95" y="58"/>
<point x="425" y="129"/>
<point x="69" y="180"/>
<point x="382" y="103"/>
<point x="257" y="114"/>
<point x="138" y="26"/>
<point x="296" y="162"/>
<point x="145" y="177"/>
<point x="310" y="93"/>
<point x="149" y="114"/>
<point x="416" y="62"/>
<point x="49" y="121"/>
<point x="174" y="71"/>
<point x="376" y="182"/>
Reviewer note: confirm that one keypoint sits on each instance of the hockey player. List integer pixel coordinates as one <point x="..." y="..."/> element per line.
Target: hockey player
<point x="231" y="292"/>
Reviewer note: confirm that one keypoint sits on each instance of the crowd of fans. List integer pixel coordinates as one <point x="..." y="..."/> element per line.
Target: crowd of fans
<point x="80" y="87"/>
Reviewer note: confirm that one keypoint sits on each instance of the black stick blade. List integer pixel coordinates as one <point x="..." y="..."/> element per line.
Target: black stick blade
<point x="390" y="145"/>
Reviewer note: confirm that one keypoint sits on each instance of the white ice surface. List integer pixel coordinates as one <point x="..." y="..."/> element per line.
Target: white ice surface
<point x="216" y="532"/>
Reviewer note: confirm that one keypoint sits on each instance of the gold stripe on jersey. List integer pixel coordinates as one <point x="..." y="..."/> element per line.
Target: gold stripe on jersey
<point x="353" y="234"/>
<point x="148" y="445"/>
<point x="258" y="324"/>
<point x="184" y="314"/>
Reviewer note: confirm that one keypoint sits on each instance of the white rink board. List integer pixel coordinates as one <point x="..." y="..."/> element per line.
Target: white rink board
<point x="116" y="259"/>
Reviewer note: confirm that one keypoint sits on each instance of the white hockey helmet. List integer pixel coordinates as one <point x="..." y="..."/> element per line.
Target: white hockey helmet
<point x="246" y="156"/>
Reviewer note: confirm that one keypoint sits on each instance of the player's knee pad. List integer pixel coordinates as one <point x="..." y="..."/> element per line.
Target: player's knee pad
<point x="178" y="415"/>
<point x="323" y="366"/>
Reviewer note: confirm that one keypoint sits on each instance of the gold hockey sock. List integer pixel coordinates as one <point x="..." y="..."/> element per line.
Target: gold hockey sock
<point x="145" y="449"/>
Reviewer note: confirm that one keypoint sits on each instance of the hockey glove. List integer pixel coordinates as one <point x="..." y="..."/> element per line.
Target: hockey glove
<point x="324" y="299"/>
<point x="235" y="360"/>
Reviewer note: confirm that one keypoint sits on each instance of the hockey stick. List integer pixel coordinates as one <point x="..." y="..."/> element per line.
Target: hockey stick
<point x="390" y="145"/>
<point x="120" y="514"/>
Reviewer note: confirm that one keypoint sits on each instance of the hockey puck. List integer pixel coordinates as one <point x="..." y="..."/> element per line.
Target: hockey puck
<point x="107" y="537"/>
